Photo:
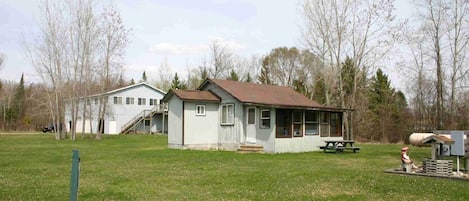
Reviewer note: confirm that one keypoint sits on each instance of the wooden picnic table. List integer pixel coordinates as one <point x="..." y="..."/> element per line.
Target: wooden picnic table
<point x="339" y="146"/>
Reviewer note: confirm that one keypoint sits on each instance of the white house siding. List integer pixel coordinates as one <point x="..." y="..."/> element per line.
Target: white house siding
<point x="265" y="137"/>
<point x="229" y="135"/>
<point x="175" y="123"/>
<point x="201" y="131"/>
<point x="123" y="113"/>
<point x="120" y="113"/>
<point x="80" y="125"/>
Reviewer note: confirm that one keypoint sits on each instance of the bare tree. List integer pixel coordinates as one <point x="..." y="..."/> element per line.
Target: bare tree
<point x="221" y="61"/>
<point x="444" y="25"/>
<point x="362" y="30"/>
<point x="417" y="71"/>
<point x="283" y="64"/>
<point x="164" y="76"/>
<point x="436" y="30"/>
<point x="82" y="32"/>
<point x="458" y="38"/>
<point x="66" y="54"/>
<point x="112" y="43"/>
<point x="48" y="56"/>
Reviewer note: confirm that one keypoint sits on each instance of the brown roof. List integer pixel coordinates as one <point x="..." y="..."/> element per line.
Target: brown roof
<point x="265" y="94"/>
<point x="195" y="95"/>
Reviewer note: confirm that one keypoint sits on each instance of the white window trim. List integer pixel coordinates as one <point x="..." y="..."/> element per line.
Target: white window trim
<point x="262" y="118"/>
<point x="117" y="100"/>
<point x="229" y="117"/>
<point x="142" y="101"/>
<point x="202" y="108"/>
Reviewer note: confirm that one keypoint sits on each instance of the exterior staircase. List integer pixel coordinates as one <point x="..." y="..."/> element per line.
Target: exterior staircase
<point x="140" y="117"/>
<point x="250" y="148"/>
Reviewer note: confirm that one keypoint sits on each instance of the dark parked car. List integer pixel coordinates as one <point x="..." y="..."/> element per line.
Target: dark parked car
<point x="49" y="128"/>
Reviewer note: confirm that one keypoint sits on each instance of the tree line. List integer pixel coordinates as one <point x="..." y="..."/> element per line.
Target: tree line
<point x="346" y="46"/>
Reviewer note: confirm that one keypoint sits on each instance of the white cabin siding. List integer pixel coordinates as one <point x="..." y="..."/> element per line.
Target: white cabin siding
<point x="175" y="123"/>
<point x="265" y="137"/>
<point x="201" y="131"/>
<point x="229" y="136"/>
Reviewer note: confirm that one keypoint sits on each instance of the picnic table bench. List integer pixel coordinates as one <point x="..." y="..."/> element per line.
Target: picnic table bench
<point x="339" y="146"/>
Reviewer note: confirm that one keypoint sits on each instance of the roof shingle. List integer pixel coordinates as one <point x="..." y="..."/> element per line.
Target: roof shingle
<point x="265" y="94"/>
<point x="196" y="95"/>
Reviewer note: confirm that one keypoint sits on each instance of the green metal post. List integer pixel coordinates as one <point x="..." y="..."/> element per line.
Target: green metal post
<point x="75" y="176"/>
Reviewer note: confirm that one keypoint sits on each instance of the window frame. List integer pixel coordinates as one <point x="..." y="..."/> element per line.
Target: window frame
<point x="297" y="124"/>
<point x="129" y="100"/>
<point x="142" y="101"/>
<point x="311" y="122"/>
<point x="153" y="101"/>
<point x="251" y="116"/>
<point x="283" y="125"/>
<point x="227" y="114"/>
<point x="263" y="118"/>
<point x="324" y="125"/>
<point x="117" y="100"/>
<point x="200" y="112"/>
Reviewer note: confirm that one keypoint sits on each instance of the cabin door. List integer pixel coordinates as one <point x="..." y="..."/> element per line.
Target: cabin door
<point x="251" y="125"/>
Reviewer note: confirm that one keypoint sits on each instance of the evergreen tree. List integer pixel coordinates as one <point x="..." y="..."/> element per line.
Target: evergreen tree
<point x="17" y="111"/>
<point x="121" y="81"/>
<point x="388" y="109"/>
<point x="176" y="83"/>
<point x="319" y="94"/>
<point x="132" y="81"/>
<point x="203" y="73"/>
<point x="348" y="72"/>
<point x="144" y="77"/>
<point x="300" y="86"/>
<point x="233" y="76"/>
<point x="264" y="77"/>
<point x="248" y="78"/>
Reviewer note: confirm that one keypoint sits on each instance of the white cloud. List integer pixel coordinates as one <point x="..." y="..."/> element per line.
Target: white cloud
<point x="229" y="44"/>
<point x="171" y="48"/>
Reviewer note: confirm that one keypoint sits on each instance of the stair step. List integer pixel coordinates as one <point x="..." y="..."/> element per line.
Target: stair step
<point x="251" y="149"/>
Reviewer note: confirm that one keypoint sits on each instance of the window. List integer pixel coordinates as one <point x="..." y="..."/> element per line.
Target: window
<point x="311" y="122"/>
<point x="153" y="101"/>
<point x="96" y="101"/>
<point x="88" y="101"/>
<point x="142" y="101"/>
<point x="335" y="124"/>
<point x="251" y="115"/>
<point x="297" y="123"/>
<point x="324" y="127"/>
<point x="129" y="100"/>
<point x="147" y="122"/>
<point x="265" y="118"/>
<point x="200" y="110"/>
<point x="227" y="114"/>
<point x="283" y="119"/>
<point x="117" y="100"/>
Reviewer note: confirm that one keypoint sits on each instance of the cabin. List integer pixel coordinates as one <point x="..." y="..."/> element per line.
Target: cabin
<point x="132" y="109"/>
<point x="227" y="115"/>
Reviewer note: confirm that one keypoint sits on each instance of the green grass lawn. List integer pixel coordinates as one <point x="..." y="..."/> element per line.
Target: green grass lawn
<point x="139" y="167"/>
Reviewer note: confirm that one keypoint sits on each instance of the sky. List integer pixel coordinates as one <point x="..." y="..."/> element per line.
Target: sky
<point x="176" y="31"/>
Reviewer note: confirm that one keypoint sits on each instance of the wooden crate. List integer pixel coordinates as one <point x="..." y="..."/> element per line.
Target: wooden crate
<point x="439" y="167"/>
